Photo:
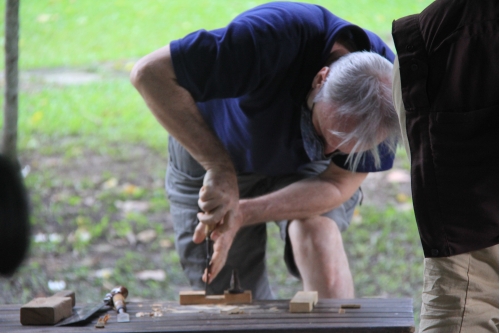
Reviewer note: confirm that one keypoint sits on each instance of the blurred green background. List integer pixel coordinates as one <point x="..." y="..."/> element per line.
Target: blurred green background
<point x="94" y="157"/>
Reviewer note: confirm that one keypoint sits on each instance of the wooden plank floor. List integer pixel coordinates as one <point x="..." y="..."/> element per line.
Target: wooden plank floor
<point x="375" y="315"/>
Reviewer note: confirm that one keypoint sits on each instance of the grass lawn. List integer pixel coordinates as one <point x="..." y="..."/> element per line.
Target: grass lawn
<point x="97" y="157"/>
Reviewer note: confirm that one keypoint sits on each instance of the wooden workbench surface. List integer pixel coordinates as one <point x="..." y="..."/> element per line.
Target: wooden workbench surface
<point x="375" y="315"/>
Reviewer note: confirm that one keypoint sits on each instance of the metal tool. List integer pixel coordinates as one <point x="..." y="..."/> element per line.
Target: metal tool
<point x="208" y="244"/>
<point x="82" y="315"/>
<point x="234" y="286"/>
<point x="119" y="302"/>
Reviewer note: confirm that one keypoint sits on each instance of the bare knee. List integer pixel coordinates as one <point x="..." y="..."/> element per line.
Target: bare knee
<point x="316" y="229"/>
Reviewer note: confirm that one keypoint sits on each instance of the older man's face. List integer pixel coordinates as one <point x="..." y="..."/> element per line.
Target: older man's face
<point x="324" y="127"/>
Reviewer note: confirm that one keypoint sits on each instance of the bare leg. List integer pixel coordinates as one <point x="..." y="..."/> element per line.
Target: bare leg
<point x="320" y="257"/>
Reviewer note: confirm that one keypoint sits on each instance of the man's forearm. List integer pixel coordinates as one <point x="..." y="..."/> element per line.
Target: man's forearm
<point x="174" y="108"/>
<point x="306" y="198"/>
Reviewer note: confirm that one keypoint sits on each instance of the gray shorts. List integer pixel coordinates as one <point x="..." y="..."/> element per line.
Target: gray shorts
<point x="247" y="254"/>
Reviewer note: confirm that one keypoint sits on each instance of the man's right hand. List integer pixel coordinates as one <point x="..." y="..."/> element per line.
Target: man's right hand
<point x="218" y="200"/>
<point x="219" y="196"/>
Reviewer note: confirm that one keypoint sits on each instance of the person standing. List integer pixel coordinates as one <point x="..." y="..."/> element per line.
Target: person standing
<point x="445" y="90"/>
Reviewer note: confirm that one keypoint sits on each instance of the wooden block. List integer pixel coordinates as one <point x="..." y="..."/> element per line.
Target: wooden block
<point x="66" y="293"/>
<point x="46" y="310"/>
<point x="191" y="297"/>
<point x="303" y="301"/>
<point x="243" y="298"/>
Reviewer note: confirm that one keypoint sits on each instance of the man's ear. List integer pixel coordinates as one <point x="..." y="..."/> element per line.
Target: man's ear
<point x="320" y="77"/>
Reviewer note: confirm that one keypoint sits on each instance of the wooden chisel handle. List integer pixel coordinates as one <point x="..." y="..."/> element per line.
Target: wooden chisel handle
<point x="209" y="229"/>
<point x="119" y="302"/>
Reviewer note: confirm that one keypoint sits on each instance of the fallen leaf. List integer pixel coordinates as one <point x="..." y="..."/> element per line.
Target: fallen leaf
<point x="166" y="243"/>
<point x="156" y="275"/>
<point x="132" y="206"/>
<point x="402" y="198"/>
<point x="110" y="183"/>
<point x="146" y="236"/>
<point x="104" y="273"/>
<point x="130" y="189"/>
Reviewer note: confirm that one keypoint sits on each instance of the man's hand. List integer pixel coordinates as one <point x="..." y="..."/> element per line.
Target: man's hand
<point x="218" y="200"/>
<point x="223" y="236"/>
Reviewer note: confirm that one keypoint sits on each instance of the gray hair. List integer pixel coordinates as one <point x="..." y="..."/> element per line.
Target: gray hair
<point x="359" y="88"/>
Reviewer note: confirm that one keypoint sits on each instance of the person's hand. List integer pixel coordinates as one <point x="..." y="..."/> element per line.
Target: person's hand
<point x="218" y="200"/>
<point x="223" y="236"/>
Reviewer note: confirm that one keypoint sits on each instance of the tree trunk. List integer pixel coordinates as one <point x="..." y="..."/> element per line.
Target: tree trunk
<point x="9" y="144"/>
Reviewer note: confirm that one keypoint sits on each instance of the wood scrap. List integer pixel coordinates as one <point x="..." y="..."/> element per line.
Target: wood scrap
<point x="48" y="310"/>
<point x="232" y="310"/>
<point x="303" y="301"/>
<point x="350" y="306"/>
<point x="101" y="322"/>
<point x="191" y="297"/>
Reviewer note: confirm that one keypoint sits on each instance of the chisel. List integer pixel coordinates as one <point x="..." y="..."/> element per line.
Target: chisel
<point x="208" y="241"/>
<point x="114" y="298"/>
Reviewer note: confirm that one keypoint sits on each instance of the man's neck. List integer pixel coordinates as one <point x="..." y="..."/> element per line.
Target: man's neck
<point x="339" y="49"/>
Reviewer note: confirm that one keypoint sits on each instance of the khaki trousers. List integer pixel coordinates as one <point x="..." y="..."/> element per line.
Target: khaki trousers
<point x="460" y="293"/>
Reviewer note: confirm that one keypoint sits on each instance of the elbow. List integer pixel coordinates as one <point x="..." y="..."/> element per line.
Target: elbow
<point x="152" y="71"/>
<point x="155" y="69"/>
<point x="139" y="73"/>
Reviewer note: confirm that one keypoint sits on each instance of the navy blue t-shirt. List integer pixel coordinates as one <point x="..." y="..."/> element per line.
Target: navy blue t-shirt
<point x="250" y="79"/>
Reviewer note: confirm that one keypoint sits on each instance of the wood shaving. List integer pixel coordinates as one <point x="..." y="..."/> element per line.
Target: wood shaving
<point x="101" y="322"/>
<point x="233" y="310"/>
<point x="157" y="312"/>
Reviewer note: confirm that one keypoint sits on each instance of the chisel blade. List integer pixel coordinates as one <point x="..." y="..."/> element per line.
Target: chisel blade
<point x="82" y="315"/>
<point x="123" y="317"/>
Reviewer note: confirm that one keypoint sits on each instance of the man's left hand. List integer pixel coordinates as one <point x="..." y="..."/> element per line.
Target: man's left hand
<point x="223" y="236"/>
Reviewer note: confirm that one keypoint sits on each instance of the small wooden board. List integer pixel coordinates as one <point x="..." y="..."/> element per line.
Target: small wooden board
<point x="46" y="310"/>
<point x="193" y="297"/>
<point x="303" y="301"/>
